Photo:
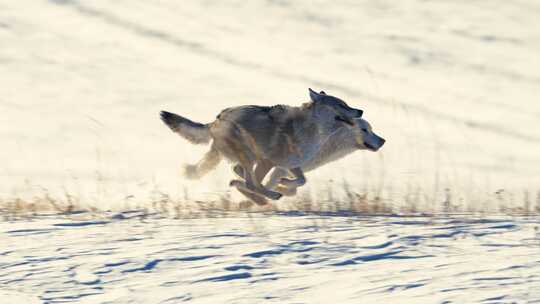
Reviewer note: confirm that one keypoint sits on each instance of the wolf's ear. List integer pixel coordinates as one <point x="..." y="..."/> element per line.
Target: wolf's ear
<point x="322" y="93"/>
<point x="315" y="97"/>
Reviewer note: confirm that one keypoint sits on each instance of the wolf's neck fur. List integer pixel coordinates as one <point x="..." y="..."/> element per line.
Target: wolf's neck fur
<point x="337" y="146"/>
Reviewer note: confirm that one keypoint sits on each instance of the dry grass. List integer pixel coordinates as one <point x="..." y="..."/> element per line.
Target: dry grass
<point x="345" y="202"/>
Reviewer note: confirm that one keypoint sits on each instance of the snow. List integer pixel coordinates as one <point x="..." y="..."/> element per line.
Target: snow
<point x="452" y="86"/>
<point x="273" y="258"/>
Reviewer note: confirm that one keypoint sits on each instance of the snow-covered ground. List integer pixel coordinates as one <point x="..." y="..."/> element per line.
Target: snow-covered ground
<point x="453" y="86"/>
<point x="268" y="258"/>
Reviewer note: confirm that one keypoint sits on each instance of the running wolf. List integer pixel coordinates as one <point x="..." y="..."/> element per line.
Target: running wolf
<point x="343" y="142"/>
<point x="259" y="138"/>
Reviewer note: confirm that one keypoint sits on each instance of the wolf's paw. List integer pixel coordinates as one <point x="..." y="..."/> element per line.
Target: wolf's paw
<point x="236" y="183"/>
<point x="286" y="191"/>
<point x="286" y="182"/>
<point x="274" y="195"/>
<point x="292" y="183"/>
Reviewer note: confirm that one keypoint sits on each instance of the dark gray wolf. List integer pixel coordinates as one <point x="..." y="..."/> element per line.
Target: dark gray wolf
<point x="259" y="138"/>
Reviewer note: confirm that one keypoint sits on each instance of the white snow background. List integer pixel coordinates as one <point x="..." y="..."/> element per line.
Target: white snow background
<point x="453" y="86"/>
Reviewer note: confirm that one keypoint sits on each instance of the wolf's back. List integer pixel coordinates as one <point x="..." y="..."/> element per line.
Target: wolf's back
<point x="195" y="132"/>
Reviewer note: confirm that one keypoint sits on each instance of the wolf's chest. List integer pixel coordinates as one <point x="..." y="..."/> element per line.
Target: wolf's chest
<point x="302" y="146"/>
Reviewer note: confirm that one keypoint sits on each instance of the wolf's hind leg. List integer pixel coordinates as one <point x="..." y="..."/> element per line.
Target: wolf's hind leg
<point x="210" y="160"/>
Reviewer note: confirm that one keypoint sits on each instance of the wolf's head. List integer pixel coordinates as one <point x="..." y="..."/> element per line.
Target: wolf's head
<point x="344" y="141"/>
<point x="364" y="137"/>
<point x="327" y="106"/>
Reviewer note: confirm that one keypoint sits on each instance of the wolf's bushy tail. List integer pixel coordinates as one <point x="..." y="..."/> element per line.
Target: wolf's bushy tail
<point x="195" y="132"/>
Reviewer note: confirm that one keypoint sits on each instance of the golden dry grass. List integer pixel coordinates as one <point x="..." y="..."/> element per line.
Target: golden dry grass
<point x="353" y="202"/>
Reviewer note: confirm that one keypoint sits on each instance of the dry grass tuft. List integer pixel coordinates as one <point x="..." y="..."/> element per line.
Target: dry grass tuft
<point x="333" y="200"/>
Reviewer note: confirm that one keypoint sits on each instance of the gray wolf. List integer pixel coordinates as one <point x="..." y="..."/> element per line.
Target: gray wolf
<point x="259" y="138"/>
<point x="343" y="142"/>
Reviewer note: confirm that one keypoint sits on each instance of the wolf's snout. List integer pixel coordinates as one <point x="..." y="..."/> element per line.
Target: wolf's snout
<point x="375" y="144"/>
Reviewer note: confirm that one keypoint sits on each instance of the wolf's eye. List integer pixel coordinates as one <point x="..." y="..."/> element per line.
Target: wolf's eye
<point x="339" y="118"/>
<point x="364" y="129"/>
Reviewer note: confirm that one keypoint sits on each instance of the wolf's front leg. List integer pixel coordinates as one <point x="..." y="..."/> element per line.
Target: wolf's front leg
<point x="254" y="185"/>
<point x="273" y="182"/>
<point x="275" y="177"/>
<point x="261" y="170"/>
<point x="286" y="191"/>
<point x="252" y="182"/>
